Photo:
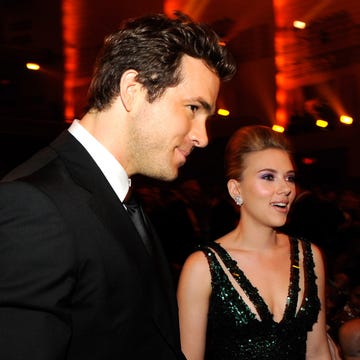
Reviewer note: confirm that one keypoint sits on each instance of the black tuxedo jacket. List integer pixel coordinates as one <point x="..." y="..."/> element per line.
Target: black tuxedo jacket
<point x="76" y="281"/>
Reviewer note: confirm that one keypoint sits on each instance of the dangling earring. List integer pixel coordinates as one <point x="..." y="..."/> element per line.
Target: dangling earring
<point x="238" y="200"/>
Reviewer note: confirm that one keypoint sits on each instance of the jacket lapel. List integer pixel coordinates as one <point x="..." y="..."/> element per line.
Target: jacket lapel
<point x="104" y="202"/>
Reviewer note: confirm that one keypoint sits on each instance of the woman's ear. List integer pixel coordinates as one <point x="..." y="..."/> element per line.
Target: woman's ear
<point x="233" y="188"/>
<point x="129" y="88"/>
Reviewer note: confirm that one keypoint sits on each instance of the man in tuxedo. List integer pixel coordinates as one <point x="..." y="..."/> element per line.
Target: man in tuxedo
<point x="77" y="281"/>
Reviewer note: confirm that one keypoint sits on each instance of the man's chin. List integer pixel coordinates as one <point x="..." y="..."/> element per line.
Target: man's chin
<point x="171" y="177"/>
<point x="166" y="176"/>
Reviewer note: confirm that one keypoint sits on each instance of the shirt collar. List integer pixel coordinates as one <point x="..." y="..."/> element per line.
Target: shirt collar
<point x="110" y="167"/>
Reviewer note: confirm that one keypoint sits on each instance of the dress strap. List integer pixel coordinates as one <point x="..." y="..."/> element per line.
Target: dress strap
<point x="294" y="287"/>
<point x="251" y="292"/>
<point x="311" y="289"/>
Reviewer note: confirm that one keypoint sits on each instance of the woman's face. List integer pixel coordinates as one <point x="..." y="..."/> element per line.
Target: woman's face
<point x="267" y="187"/>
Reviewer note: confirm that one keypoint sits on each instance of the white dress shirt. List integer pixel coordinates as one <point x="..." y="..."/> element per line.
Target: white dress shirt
<point x="110" y="167"/>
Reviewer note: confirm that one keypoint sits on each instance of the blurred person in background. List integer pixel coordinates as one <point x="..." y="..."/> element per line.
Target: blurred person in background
<point x="349" y="338"/>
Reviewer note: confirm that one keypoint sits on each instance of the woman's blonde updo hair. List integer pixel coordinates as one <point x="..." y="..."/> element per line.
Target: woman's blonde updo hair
<point x="247" y="140"/>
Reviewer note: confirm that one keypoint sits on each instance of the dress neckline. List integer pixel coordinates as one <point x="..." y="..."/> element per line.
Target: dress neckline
<point x="252" y="292"/>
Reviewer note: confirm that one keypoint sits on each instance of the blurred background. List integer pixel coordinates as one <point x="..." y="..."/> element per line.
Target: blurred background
<point x="299" y="62"/>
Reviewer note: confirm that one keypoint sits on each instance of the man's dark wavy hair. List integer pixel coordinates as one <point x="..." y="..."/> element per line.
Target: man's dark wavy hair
<point x="154" y="46"/>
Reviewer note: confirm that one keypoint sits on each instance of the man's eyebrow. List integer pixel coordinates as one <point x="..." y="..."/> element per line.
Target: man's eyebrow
<point x="205" y="105"/>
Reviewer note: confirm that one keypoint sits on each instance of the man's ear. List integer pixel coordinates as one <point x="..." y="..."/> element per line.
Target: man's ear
<point x="129" y="88"/>
<point x="233" y="188"/>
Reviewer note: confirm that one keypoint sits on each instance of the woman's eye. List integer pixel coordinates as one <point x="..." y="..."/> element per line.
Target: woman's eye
<point x="268" y="177"/>
<point x="291" y="178"/>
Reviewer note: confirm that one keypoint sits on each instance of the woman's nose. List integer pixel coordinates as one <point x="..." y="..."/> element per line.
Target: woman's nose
<point x="285" y="188"/>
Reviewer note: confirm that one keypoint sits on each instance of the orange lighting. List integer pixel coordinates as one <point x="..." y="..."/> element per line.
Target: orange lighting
<point x="280" y="43"/>
<point x="322" y="123"/>
<point x="223" y="112"/>
<point x="194" y="8"/>
<point x="278" y="128"/>
<point x="281" y="97"/>
<point x="281" y="115"/>
<point x="299" y="24"/>
<point x="71" y="56"/>
<point x="348" y="120"/>
<point x="32" y="66"/>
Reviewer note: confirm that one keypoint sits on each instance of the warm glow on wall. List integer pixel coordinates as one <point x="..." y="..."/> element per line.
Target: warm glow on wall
<point x="280" y="97"/>
<point x="193" y="8"/>
<point x="281" y="116"/>
<point x="69" y="21"/>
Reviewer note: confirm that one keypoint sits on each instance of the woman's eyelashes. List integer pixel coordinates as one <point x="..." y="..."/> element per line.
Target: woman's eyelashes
<point x="271" y="177"/>
<point x="291" y="178"/>
<point x="268" y="176"/>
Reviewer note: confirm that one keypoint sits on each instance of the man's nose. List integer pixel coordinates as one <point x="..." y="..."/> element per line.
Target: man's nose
<point x="198" y="135"/>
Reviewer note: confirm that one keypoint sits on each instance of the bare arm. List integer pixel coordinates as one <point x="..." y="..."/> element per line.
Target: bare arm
<point x="193" y="298"/>
<point x="317" y="344"/>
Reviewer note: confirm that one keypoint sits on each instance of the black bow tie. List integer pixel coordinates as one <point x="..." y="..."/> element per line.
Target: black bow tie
<point x="139" y="219"/>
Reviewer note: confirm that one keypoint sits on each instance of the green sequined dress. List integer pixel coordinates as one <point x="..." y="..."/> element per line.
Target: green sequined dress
<point x="234" y="332"/>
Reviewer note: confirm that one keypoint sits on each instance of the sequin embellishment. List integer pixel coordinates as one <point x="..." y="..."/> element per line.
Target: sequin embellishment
<point x="234" y="332"/>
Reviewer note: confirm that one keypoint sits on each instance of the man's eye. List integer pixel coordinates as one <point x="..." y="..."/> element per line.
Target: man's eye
<point x="193" y="108"/>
